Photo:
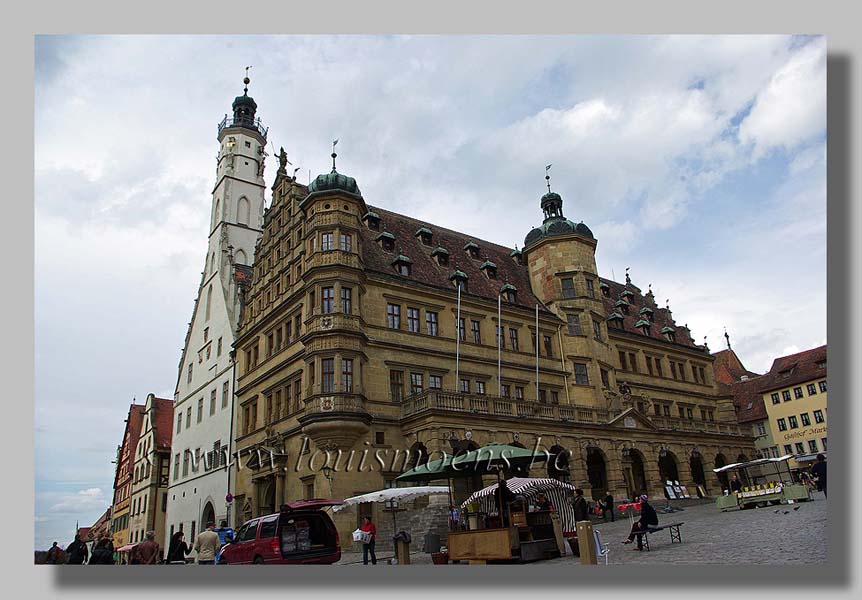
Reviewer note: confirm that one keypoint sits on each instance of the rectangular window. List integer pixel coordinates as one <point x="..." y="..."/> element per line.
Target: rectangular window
<point x="200" y="409"/>
<point x="812" y="446"/>
<point x="761" y="428"/>
<point x="786" y="395"/>
<point x="681" y="370"/>
<point x="694" y="373"/>
<point x="633" y="363"/>
<point x="794" y="423"/>
<point x="288" y="399"/>
<point x="623" y="363"/>
<point x="818" y="416"/>
<point x="673" y="369"/>
<point x="574" y="322"/>
<point x="431" y="323"/>
<point x="702" y="375"/>
<point x="649" y="365"/>
<point x="218" y="347"/>
<point x="212" y="402"/>
<point x="346" y="242"/>
<point x="800" y="448"/>
<point x="658" y="371"/>
<point x="393" y="316"/>
<point x="347" y="375"/>
<point x="775" y="398"/>
<point x="505" y="390"/>
<point x="543" y="397"/>
<point x="277" y="412"/>
<point x="782" y="425"/>
<point x="703" y="414"/>
<point x="823" y="443"/>
<point x="519" y="393"/>
<point x="513" y="338"/>
<point x="657" y="409"/>
<point x="597" y="330"/>
<point x="689" y="413"/>
<point x="297" y="392"/>
<point x="176" y="466"/>
<point x="797" y="392"/>
<point x="412" y="320"/>
<point x="224" y="398"/>
<point x="189" y="378"/>
<point x="788" y="449"/>
<point x="179" y="422"/>
<point x="462" y="333"/>
<point x="549" y="347"/>
<point x="465" y="386"/>
<point x="327" y="375"/>
<point x="326" y="241"/>
<point x="501" y="337"/>
<point x="278" y="338"/>
<point x="435" y="382"/>
<point x="812" y="389"/>
<point x="581" y="376"/>
<point x="555" y="397"/>
<point x="474" y="329"/>
<point x="806" y="420"/>
<point x="327" y="300"/>
<point x="188" y="417"/>
<point x="270" y="344"/>
<point x="396" y="385"/>
<point x="606" y="382"/>
<point x="568" y="287"/>
<point x="186" y="459"/>
<point x="823" y="386"/>
<point x="480" y="388"/>
<point x="297" y="325"/>
<point x="666" y="410"/>
<point x="591" y="290"/>
<point x="416" y="383"/>
<point x="346" y="300"/>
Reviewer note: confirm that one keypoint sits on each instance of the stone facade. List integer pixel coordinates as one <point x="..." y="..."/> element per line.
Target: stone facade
<point x="349" y="342"/>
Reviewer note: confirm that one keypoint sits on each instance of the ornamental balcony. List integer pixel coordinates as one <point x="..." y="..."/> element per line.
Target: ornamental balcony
<point x="253" y="124"/>
<point x="334" y="322"/>
<point x="335" y="421"/>
<point x="330" y="258"/>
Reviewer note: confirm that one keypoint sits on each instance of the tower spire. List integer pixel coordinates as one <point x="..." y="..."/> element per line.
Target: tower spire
<point x="727" y="337"/>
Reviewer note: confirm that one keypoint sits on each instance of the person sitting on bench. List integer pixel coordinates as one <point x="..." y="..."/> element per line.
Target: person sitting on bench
<point x="648" y="519"/>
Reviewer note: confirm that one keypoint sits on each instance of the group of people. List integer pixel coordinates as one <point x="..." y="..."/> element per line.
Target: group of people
<point x="78" y="553"/>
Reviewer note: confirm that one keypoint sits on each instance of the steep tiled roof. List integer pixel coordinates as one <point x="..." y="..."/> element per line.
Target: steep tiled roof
<point x="747" y="399"/>
<point x="243" y="274"/>
<point x="637" y="301"/>
<point x="100" y="527"/>
<point x="425" y="268"/>
<point x="795" y="368"/>
<point x="84" y="533"/>
<point x="729" y="369"/>
<point x="163" y="418"/>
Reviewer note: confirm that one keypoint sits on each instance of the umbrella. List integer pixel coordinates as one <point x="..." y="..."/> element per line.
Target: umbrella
<point x="558" y="492"/>
<point x="396" y="493"/>
<point x="490" y="458"/>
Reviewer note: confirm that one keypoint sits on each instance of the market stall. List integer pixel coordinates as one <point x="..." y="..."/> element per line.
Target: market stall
<point x="769" y="481"/>
<point x="488" y="540"/>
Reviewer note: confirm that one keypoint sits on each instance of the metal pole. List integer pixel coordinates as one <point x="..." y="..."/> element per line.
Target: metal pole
<point x="537" y="352"/>
<point x="499" y="346"/>
<point x="458" y="342"/>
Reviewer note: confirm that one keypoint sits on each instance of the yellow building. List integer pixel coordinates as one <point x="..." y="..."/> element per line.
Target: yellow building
<point x="353" y="338"/>
<point x="124" y="475"/>
<point x="794" y="393"/>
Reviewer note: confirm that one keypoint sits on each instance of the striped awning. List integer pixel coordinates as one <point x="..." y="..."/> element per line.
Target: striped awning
<point x="560" y="495"/>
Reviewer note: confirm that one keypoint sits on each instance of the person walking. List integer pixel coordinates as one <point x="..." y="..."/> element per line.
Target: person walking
<point x="207" y="545"/>
<point x="78" y="553"/>
<point x="103" y="553"/>
<point x="819" y="471"/>
<point x="648" y="518"/>
<point x="608" y="507"/>
<point x="579" y="504"/>
<point x="368" y="547"/>
<point x="53" y="556"/>
<point x="148" y="552"/>
<point x="178" y="549"/>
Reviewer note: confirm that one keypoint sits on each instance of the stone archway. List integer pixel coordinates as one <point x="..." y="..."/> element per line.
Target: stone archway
<point x="668" y="467"/>
<point x="698" y="475"/>
<point x="636" y="475"/>
<point x="558" y="464"/>
<point x="597" y="471"/>
<point x="208" y="514"/>
<point x="267" y="498"/>
<point x="721" y="461"/>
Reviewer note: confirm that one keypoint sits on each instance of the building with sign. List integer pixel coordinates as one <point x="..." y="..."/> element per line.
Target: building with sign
<point x="794" y="394"/>
<point x="123" y="476"/>
<point x="387" y="338"/>
<point x="204" y="392"/>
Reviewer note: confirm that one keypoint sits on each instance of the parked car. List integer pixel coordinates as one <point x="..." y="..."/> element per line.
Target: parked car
<point x="301" y="533"/>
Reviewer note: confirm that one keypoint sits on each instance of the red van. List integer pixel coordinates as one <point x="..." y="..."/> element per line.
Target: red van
<point x="302" y="533"/>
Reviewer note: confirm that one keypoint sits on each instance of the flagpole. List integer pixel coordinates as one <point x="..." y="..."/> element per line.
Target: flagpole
<point x="499" y="346"/>
<point x="458" y="341"/>
<point x="537" y="352"/>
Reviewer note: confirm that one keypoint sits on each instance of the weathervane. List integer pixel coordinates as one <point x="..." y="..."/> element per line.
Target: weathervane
<point x="246" y="81"/>
<point x="334" y="154"/>
<point x="548" y="177"/>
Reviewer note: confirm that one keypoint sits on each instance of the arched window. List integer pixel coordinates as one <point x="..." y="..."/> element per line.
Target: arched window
<point x="239" y="258"/>
<point x="209" y="301"/>
<point x="216" y="213"/>
<point x="213" y="264"/>
<point x="243" y="211"/>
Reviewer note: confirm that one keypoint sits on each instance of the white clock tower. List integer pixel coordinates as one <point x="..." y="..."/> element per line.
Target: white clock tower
<point x="201" y="446"/>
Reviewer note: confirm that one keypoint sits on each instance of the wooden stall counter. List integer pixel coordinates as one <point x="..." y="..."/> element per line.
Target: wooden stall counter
<point x="483" y="544"/>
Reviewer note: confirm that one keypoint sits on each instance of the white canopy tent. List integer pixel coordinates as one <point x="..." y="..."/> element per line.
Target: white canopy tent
<point x="395" y="493"/>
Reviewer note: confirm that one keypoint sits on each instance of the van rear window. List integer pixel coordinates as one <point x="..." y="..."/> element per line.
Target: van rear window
<point x="268" y="528"/>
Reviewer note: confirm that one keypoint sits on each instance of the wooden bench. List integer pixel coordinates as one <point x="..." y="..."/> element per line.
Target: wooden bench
<point x="675" y="536"/>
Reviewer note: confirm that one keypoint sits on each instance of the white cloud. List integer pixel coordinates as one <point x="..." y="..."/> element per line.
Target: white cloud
<point x="80" y="502"/>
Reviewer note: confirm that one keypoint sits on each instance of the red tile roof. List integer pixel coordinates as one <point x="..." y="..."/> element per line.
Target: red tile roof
<point x="662" y="317"/>
<point x="794" y="369"/>
<point x="426" y="270"/>
<point x="163" y="418"/>
<point x="729" y="369"/>
<point x="747" y="399"/>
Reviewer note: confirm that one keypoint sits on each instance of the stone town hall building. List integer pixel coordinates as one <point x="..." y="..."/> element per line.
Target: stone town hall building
<point x="347" y="340"/>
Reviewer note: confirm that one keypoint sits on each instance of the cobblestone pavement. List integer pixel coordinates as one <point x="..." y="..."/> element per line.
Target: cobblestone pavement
<point x="754" y="536"/>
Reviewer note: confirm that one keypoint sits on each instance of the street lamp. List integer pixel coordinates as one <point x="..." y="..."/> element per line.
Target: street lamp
<point x="327" y="473"/>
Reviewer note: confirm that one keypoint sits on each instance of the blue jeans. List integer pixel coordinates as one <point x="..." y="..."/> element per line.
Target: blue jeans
<point x="366" y="548"/>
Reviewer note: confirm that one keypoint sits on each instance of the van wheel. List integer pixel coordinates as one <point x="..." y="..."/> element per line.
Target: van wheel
<point x="258" y="560"/>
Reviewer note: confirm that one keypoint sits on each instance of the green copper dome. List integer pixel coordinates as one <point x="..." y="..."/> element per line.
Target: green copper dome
<point x="332" y="182"/>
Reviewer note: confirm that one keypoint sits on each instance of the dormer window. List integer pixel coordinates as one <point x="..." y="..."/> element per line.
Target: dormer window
<point x="647" y="313"/>
<point x="627" y="295"/>
<point x="643" y="326"/>
<point x="669" y="334"/>
<point x="402" y="265"/>
<point x="372" y="219"/>
<point x="424" y="234"/>
<point x="510" y="293"/>
<point x="606" y="289"/>
<point x="387" y="241"/>
<point x="489" y="268"/>
<point x="472" y="250"/>
<point x="517" y="256"/>
<point x="615" y="320"/>
<point x="459" y="279"/>
<point x="442" y="256"/>
<point x="622" y="306"/>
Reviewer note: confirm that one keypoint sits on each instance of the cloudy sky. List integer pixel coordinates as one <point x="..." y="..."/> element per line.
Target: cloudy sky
<point x="699" y="162"/>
